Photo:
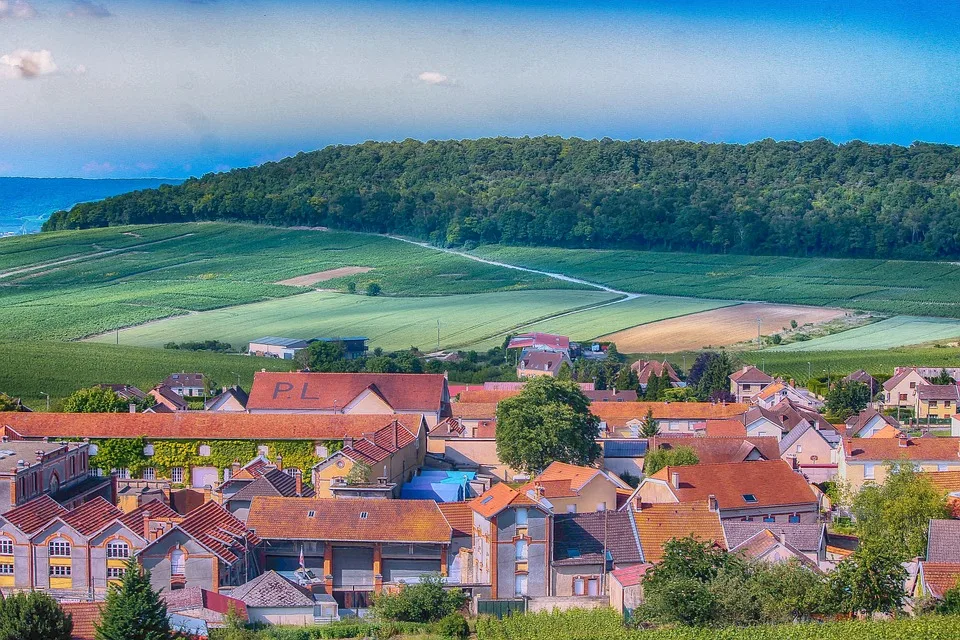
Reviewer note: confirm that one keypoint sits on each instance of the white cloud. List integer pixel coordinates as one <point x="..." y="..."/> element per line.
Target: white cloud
<point x="99" y="167"/>
<point x="16" y="9"/>
<point x="27" y="64"/>
<point x="434" y="77"/>
<point x="87" y="9"/>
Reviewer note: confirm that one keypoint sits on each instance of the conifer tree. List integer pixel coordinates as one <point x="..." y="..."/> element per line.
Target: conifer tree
<point x="133" y="610"/>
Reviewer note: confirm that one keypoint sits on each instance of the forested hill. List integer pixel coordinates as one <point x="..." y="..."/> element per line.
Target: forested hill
<point x="786" y="198"/>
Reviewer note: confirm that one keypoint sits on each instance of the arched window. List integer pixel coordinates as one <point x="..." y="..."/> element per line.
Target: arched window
<point x="59" y="548"/>
<point x="177" y="562"/>
<point x="118" y="549"/>
<point x="6" y="546"/>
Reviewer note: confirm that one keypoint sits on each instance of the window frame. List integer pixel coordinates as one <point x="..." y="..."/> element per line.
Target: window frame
<point x="5" y="542"/>
<point x="57" y="546"/>
<point x="114" y="547"/>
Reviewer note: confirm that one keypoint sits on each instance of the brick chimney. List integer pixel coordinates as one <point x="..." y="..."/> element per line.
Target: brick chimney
<point x="903" y="439"/>
<point x="394" y="435"/>
<point x="234" y="468"/>
<point x="712" y="504"/>
<point x="347" y="442"/>
<point x="146" y="525"/>
<point x="298" y="476"/>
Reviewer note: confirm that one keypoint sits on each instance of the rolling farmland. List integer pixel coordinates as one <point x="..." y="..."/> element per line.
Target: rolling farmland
<point x="893" y="287"/>
<point x="892" y="332"/>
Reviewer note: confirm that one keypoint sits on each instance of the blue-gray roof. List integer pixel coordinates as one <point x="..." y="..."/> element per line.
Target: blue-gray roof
<point x="280" y="342"/>
<point x="624" y="448"/>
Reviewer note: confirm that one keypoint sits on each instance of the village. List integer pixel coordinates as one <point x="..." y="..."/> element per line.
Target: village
<point x="301" y="500"/>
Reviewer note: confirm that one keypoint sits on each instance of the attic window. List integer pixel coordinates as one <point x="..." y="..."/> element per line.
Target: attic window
<point x="749" y="498"/>
<point x="311" y="514"/>
<point x="486" y="500"/>
<point x="363" y="515"/>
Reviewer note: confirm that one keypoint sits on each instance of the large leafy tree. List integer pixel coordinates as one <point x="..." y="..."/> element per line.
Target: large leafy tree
<point x="847" y="398"/>
<point x="33" y="616"/>
<point x="870" y="580"/>
<point x="95" y="400"/>
<point x="895" y="515"/>
<point x="133" y="610"/>
<point x="549" y="420"/>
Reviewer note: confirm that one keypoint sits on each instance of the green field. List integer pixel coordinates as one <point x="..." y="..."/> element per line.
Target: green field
<point x="894" y="287"/>
<point x="160" y="271"/>
<point x="59" y="368"/>
<point x="892" y="332"/>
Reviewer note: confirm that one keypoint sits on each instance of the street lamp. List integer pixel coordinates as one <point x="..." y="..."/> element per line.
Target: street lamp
<point x="44" y="393"/>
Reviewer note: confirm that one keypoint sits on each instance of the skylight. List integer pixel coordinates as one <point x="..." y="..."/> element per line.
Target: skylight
<point x="363" y="515"/>
<point x="573" y="552"/>
<point x="311" y="514"/>
<point x="749" y="497"/>
<point x="486" y="500"/>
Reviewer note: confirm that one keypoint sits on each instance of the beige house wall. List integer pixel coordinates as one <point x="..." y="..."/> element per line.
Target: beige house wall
<point x="944" y="409"/>
<point x="907" y="387"/>
<point x="811" y="445"/>
<point x="854" y="474"/>
<point x="655" y="492"/>
<point x="598" y="491"/>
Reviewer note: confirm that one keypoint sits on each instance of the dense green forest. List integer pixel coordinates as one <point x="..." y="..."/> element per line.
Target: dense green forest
<point x="784" y="198"/>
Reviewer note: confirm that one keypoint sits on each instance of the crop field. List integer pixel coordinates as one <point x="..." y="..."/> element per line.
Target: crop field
<point x="28" y="369"/>
<point x="69" y="285"/>
<point x="390" y="323"/>
<point x="718" y="327"/>
<point x="892" y="332"/>
<point x="893" y="287"/>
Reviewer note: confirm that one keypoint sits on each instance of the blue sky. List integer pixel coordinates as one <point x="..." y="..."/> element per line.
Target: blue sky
<point x="172" y="88"/>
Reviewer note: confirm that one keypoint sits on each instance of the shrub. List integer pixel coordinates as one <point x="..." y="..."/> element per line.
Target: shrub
<point x="427" y="601"/>
<point x="454" y="626"/>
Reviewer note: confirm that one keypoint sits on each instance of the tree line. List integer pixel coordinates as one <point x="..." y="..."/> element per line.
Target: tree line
<point x="811" y="198"/>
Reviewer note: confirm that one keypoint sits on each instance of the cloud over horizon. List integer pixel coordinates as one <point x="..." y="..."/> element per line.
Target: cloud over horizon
<point x="435" y="77"/>
<point x="27" y="64"/>
<point x="19" y="9"/>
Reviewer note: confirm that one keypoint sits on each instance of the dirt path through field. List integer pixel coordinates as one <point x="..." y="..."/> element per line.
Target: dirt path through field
<point x="311" y="279"/>
<point x="86" y="256"/>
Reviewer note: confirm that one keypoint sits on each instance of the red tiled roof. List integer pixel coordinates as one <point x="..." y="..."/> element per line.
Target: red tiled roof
<point x="660" y="523"/>
<point x="882" y="449"/>
<point x="617" y="414"/>
<point x="940" y="577"/>
<point x="898" y="377"/>
<point x="771" y="482"/>
<point x="92" y="516"/>
<point x="631" y="576"/>
<point x="944" y="481"/>
<point x="647" y="368"/>
<point x="750" y="375"/>
<point x="378" y="446"/>
<point x="85" y="616"/>
<point x="343" y="519"/>
<point x="728" y="427"/>
<point x="472" y="410"/>
<point x="938" y="392"/>
<point x="218" y="530"/>
<point x="195" y="425"/>
<point x="711" y="450"/>
<point x="497" y="498"/>
<point x="158" y="511"/>
<point x="32" y="516"/>
<point x="193" y="598"/>
<point x="329" y="391"/>
<point x="763" y="542"/>
<point x="485" y="396"/>
<point x="536" y="338"/>
<point x="547" y="361"/>
<point x="561" y="480"/>
<point x="459" y="515"/>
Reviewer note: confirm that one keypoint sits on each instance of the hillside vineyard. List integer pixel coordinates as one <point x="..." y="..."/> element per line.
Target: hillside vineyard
<point x="783" y="198"/>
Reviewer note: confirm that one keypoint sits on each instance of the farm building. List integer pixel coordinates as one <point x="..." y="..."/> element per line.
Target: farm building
<point x="274" y="347"/>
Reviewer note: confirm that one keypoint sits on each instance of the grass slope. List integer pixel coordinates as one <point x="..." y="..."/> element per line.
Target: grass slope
<point x="123" y="276"/>
<point x="892" y="332"/>
<point x="886" y="286"/>
<point x="390" y="323"/>
<point x="59" y="368"/>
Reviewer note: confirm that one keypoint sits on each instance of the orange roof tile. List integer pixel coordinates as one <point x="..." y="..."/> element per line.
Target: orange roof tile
<point x="771" y="482"/>
<point x="770" y="390"/>
<point x="32" y="516"/>
<point x="328" y="391"/>
<point x="485" y="396"/>
<point x="86" y="616"/>
<point x="378" y="446"/>
<point x="158" y="511"/>
<point x="617" y="414"/>
<point x="348" y="520"/>
<point x="195" y="425"/>
<point x="940" y="577"/>
<point x="561" y="480"/>
<point x="459" y="515"/>
<point x="660" y="523"/>
<point x="882" y="449"/>
<point x="472" y="410"/>
<point x="219" y="530"/>
<point x="724" y="427"/>
<point x="497" y="498"/>
<point x="945" y="481"/>
<point x="712" y="450"/>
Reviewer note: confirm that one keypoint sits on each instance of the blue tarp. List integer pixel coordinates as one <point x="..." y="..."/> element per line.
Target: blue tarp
<point x="440" y="486"/>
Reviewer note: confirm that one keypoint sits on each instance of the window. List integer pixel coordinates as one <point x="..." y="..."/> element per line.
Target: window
<point x="521" y="549"/>
<point x="204" y="451"/>
<point x="149" y="473"/>
<point x="363" y="515"/>
<point x="148" y="449"/>
<point x="913" y="385"/>
<point x="571" y="508"/>
<point x="123" y="474"/>
<point x="522" y="517"/>
<point x="674" y="426"/>
<point x="320" y="451"/>
<point x="118" y="549"/>
<point x="6" y="569"/>
<point x="601" y="506"/>
<point x="946" y="403"/>
<point x="749" y="498"/>
<point x="61" y="570"/>
<point x="311" y="514"/>
<point x="520" y="585"/>
<point x="903" y="397"/>
<point x="868" y="473"/>
<point x="115" y="573"/>
<point x="933" y="404"/>
<point x="59" y="547"/>
<point x="177" y="562"/>
<point x="940" y="467"/>
<point x="176" y="475"/>
<point x="486" y="500"/>
<point x="799" y="448"/>
<point x="6" y="547"/>
<point x="263" y="450"/>
<point x="769" y="519"/>
<point x="795" y="519"/>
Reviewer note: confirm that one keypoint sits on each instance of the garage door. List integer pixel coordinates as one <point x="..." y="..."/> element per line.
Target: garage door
<point x="397" y="570"/>
<point x="352" y="567"/>
<point x="203" y="476"/>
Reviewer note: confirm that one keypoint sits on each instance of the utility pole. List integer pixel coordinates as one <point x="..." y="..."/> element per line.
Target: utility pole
<point x="758" y="333"/>
<point x="438" y="334"/>
<point x="44" y="393"/>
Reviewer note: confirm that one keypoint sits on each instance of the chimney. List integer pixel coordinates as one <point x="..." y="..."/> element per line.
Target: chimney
<point x="298" y="476"/>
<point x="279" y="462"/>
<point x="675" y="479"/>
<point x="903" y="439"/>
<point x="382" y="481"/>
<point x="39" y="453"/>
<point x="132" y="407"/>
<point x="712" y="503"/>
<point x="234" y="468"/>
<point x="146" y="525"/>
<point x="4" y="438"/>
<point x="394" y="437"/>
<point x="347" y="442"/>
